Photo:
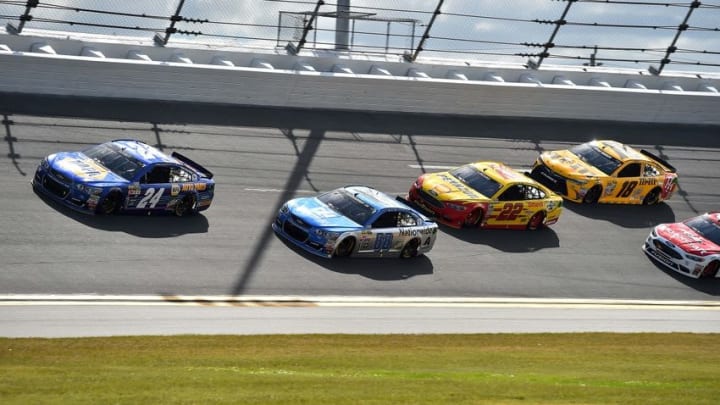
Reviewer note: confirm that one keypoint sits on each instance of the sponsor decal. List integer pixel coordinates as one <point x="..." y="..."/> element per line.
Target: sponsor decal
<point x="669" y="185"/>
<point x="460" y="186"/>
<point x="417" y="231"/>
<point x="93" y="201"/>
<point x="134" y="189"/>
<point x="648" y="181"/>
<point x="84" y="168"/>
<point x="610" y="188"/>
<point x="175" y="189"/>
<point x="662" y="257"/>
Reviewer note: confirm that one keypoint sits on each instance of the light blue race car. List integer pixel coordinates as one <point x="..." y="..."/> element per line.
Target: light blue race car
<point x="355" y="221"/>
<point x="125" y="176"/>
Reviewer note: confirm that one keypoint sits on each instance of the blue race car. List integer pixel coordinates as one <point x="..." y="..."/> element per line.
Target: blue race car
<point x="355" y="221"/>
<point x="125" y="176"/>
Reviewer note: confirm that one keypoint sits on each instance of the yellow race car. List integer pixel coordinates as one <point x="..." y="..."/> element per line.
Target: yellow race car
<point x="485" y="195"/>
<point x="606" y="172"/>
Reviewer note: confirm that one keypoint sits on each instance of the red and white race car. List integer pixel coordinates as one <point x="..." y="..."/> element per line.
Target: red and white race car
<point x="690" y="247"/>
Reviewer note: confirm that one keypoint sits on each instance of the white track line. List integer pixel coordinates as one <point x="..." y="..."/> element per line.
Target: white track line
<point x="359" y="301"/>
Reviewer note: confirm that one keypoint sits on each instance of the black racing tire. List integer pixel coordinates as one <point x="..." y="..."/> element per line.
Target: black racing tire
<point x="710" y="271"/>
<point x="593" y="195"/>
<point x="184" y="206"/>
<point x="474" y="218"/>
<point x="536" y="221"/>
<point x="110" y="204"/>
<point x="653" y="197"/>
<point x="345" y="247"/>
<point x="410" y="249"/>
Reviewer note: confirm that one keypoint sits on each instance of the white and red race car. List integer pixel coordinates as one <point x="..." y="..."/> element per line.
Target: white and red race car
<point x="690" y="247"/>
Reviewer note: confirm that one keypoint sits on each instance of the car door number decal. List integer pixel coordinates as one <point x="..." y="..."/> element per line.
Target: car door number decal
<point x="383" y="241"/>
<point x="627" y="188"/>
<point x="151" y="197"/>
<point x="510" y="211"/>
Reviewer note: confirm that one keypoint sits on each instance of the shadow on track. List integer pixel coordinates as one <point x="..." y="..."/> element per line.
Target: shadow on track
<point x="379" y="269"/>
<point x="299" y="172"/>
<point x="509" y="241"/>
<point x="709" y="286"/>
<point x="143" y="226"/>
<point x="626" y="216"/>
<point x="532" y="129"/>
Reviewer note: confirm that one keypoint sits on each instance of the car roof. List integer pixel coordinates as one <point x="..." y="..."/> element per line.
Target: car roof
<point x="143" y="152"/>
<point x="501" y="173"/>
<point x="620" y="151"/>
<point x="714" y="216"/>
<point x="375" y="198"/>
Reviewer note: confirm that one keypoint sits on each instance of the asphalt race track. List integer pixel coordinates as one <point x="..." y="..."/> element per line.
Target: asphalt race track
<point x="262" y="158"/>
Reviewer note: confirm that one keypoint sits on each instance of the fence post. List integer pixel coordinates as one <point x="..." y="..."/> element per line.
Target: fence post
<point x="295" y="49"/>
<point x="549" y="44"/>
<point x="31" y="4"/>
<point x="426" y="35"/>
<point x="672" y="48"/>
<point x="171" y="29"/>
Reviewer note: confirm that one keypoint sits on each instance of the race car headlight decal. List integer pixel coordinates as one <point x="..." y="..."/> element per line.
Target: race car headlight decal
<point x="327" y="234"/>
<point x="88" y="189"/>
<point x="44" y="164"/>
<point x="653" y="233"/>
<point x="456" y="207"/>
<point x="694" y="258"/>
<point x="284" y="209"/>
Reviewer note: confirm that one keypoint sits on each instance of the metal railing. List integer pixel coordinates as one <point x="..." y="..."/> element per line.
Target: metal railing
<point x="650" y="35"/>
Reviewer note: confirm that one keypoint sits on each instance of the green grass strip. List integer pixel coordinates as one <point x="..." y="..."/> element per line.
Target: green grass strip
<point x="592" y="368"/>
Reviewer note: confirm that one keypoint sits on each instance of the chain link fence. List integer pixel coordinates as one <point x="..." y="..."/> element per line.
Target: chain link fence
<point x="651" y="35"/>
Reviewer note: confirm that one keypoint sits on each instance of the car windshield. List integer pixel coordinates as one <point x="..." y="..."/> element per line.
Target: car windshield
<point x="112" y="157"/>
<point x="708" y="229"/>
<point x="477" y="180"/>
<point x="348" y="205"/>
<point x="594" y="156"/>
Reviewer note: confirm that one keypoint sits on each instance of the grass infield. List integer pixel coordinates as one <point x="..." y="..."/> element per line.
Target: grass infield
<point x="588" y="368"/>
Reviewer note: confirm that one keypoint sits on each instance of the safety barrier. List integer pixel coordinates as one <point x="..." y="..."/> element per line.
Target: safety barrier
<point x="130" y="70"/>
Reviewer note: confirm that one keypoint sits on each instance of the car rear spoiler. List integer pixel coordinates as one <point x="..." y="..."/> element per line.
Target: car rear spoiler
<point x="205" y="172"/>
<point x="659" y="160"/>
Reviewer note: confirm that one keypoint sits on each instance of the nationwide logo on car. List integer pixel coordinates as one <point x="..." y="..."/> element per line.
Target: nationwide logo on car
<point x="85" y="168"/>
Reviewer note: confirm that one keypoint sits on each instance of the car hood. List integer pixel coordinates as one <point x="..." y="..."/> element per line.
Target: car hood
<point x="446" y="187"/>
<point x="80" y="168"/>
<point x="316" y="214"/>
<point x="687" y="239"/>
<point x="568" y="164"/>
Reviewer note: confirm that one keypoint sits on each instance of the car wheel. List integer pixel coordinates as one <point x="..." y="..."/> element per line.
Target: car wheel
<point x="345" y="248"/>
<point x="184" y="206"/>
<point x="410" y="249"/>
<point x="593" y="195"/>
<point x="110" y="204"/>
<point x="473" y="219"/>
<point x="710" y="270"/>
<point x="653" y="197"/>
<point x="536" y="221"/>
